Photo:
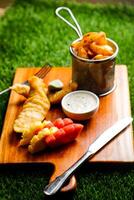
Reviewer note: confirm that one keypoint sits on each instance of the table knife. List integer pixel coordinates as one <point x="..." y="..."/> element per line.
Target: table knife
<point x="100" y="142"/>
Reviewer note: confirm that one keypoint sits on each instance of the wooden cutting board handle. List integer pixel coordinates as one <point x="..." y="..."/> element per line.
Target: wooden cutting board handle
<point x="71" y="185"/>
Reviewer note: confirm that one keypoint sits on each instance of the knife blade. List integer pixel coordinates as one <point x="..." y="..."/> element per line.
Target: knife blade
<point x="100" y="142"/>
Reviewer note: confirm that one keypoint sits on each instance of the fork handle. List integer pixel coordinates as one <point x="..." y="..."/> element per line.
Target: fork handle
<point x="4" y="91"/>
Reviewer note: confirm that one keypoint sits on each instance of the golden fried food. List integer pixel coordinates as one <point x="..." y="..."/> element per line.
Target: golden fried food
<point x="56" y="97"/>
<point x="104" y="50"/>
<point x="97" y="37"/>
<point x="35" y="107"/>
<point x="91" y="45"/>
<point x="29" y="133"/>
<point x="21" y="89"/>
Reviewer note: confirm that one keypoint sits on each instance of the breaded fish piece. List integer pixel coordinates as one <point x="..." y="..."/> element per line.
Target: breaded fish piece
<point x="21" y="89"/>
<point x="32" y="131"/>
<point x="35" y="107"/>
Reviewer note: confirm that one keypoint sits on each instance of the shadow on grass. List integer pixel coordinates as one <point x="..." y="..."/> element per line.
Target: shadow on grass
<point x="39" y="170"/>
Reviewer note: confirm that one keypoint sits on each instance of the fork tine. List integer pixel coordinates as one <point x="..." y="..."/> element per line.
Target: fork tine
<point x="43" y="71"/>
<point x="43" y="74"/>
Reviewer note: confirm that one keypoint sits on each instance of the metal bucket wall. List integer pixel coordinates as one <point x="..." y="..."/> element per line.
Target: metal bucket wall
<point x="95" y="75"/>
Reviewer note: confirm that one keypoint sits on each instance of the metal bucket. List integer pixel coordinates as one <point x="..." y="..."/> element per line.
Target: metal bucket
<point x="95" y="75"/>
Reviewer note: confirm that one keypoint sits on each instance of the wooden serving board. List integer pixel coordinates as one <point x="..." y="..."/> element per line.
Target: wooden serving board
<point x="112" y="108"/>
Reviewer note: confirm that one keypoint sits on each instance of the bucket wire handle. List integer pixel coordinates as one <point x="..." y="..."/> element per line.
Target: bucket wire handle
<point x="77" y="27"/>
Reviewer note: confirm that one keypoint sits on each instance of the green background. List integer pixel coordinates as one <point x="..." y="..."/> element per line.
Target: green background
<point x="31" y="35"/>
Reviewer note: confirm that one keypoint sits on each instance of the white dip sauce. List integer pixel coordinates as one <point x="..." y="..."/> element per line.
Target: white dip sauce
<point x="80" y="102"/>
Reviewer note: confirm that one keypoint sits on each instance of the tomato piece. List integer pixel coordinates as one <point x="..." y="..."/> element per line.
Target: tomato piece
<point x="59" y="123"/>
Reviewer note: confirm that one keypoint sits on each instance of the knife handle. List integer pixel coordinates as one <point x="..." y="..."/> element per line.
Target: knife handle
<point x="55" y="185"/>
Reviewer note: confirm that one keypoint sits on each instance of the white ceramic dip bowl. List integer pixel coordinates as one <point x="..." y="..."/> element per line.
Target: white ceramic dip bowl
<point x="80" y="104"/>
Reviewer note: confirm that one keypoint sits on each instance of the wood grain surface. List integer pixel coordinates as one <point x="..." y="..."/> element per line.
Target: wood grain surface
<point x="112" y="108"/>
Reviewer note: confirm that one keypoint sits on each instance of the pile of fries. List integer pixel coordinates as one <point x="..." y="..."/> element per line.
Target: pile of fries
<point x="93" y="45"/>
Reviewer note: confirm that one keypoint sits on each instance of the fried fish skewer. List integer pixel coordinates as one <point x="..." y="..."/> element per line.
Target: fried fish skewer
<point x="35" y="107"/>
<point x="21" y="89"/>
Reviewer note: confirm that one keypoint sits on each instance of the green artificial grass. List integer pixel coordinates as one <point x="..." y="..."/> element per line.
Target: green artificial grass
<point x="31" y="35"/>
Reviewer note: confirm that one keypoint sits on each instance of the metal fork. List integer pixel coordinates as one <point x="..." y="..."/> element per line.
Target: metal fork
<point x="41" y="74"/>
